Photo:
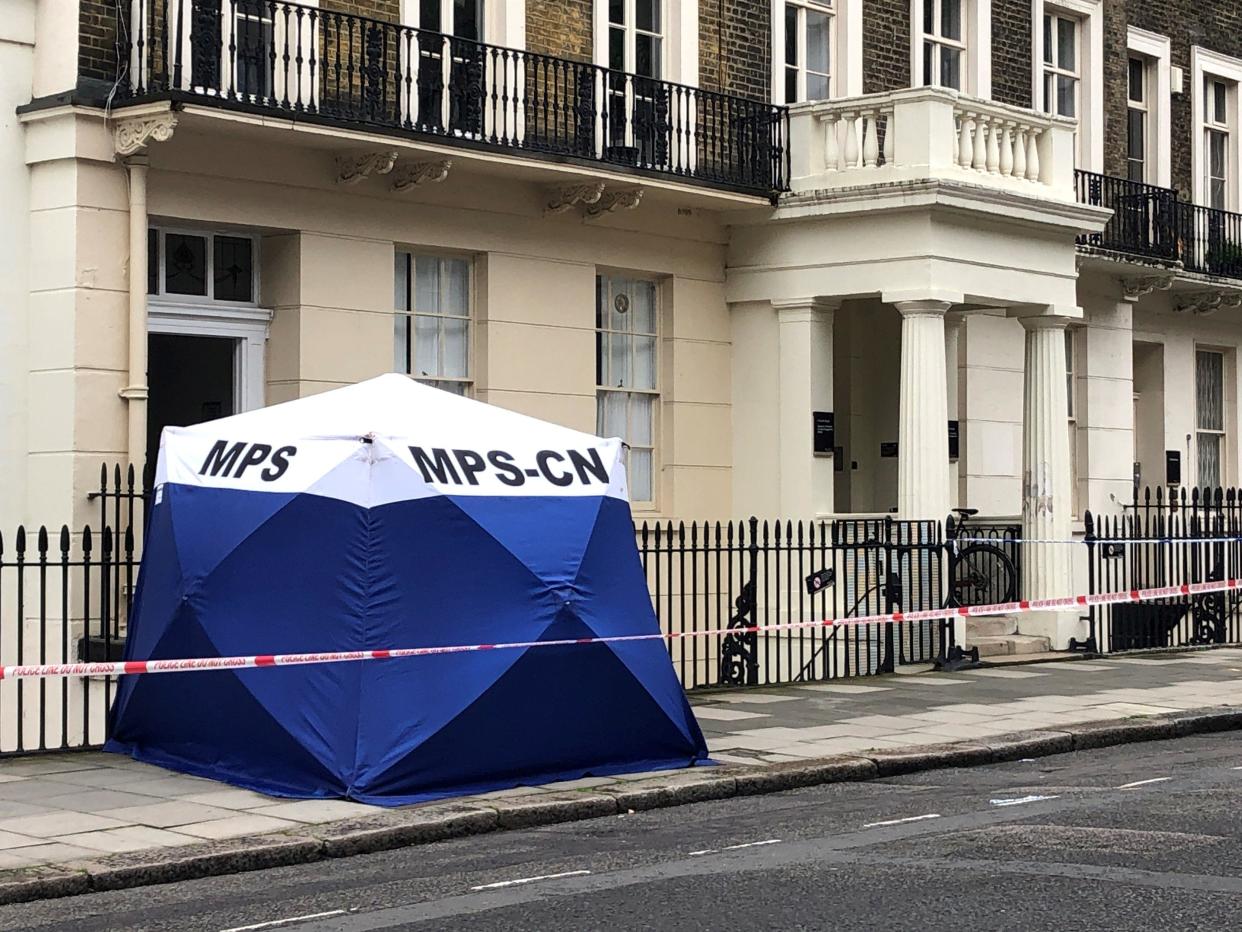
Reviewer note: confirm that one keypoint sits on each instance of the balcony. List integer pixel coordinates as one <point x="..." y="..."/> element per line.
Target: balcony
<point x="277" y="58"/>
<point x="1154" y="224"/>
<point x="930" y="133"/>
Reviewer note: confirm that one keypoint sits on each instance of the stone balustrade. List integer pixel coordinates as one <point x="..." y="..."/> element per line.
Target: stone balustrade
<point x="925" y="133"/>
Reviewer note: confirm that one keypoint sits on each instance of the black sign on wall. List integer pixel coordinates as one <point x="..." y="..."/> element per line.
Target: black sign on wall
<point x="888" y="448"/>
<point x="953" y="440"/>
<point x="1173" y="467"/>
<point x="823" y="433"/>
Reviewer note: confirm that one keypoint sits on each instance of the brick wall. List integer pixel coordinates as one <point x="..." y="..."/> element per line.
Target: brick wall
<point x="561" y="27"/>
<point x="97" y="40"/>
<point x="1011" y="52"/>
<point x="1212" y="24"/>
<point x="734" y="53"/>
<point x="886" y="45"/>
<point x="387" y="10"/>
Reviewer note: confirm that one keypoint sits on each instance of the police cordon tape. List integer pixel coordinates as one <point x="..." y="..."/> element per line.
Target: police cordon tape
<point x="130" y="667"/>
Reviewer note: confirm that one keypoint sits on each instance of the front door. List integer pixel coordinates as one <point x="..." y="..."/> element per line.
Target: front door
<point x="190" y="379"/>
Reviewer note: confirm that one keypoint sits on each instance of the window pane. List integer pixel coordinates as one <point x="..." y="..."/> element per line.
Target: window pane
<point x="951" y="19"/>
<point x="401" y="343"/>
<point x="929" y="16"/>
<point x="643" y="307"/>
<point x="644" y="362"/>
<point x="640" y="476"/>
<point x="455" y="280"/>
<point x="791" y="34"/>
<point x="618" y="361"/>
<point x="1137" y="71"/>
<point x="1209" y="390"/>
<point x="816" y="86"/>
<point x="1219" y="93"/>
<point x="468" y="19"/>
<point x="1066" y="88"/>
<point x="401" y="282"/>
<point x="647" y="15"/>
<point x="951" y="68"/>
<point x="929" y="63"/>
<point x="1136" y="123"/>
<point x="1136" y="170"/>
<point x="641" y="409"/>
<point x="427" y="284"/>
<point x="1209" y="448"/>
<point x="1048" y="39"/>
<point x="455" y="334"/>
<point x="426" y="352"/>
<point x="647" y="56"/>
<point x="616" y="11"/>
<point x="616" y="49"/>
<point x="791" y="85"/>
<point x="610" y="414"/>
<point x="429" y="15"/>
<point x="1216" y="153"/>
<point x="233" y="269"/>
<point x="185" y="264"/>
<point x="1067" y="46"/>
<point x="1216" y="193"/>
<point x="817" y="30"/>
<point x="153" y="261"/>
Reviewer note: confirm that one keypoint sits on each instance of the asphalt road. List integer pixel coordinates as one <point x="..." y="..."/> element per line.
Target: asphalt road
<point x="1145" y="836"/>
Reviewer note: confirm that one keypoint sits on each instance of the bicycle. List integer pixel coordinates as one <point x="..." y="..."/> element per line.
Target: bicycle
<point x="979" y="573"/>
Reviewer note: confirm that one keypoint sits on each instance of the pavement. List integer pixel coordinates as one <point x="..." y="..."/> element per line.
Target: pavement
<point x="75" y="822"/>
<point x="1136" y="837"/>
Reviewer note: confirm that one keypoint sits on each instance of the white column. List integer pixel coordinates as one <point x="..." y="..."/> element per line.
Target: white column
<point x="806" y="480"/>
<point x="922" y="437"/>
<point x="1046" y="510"/>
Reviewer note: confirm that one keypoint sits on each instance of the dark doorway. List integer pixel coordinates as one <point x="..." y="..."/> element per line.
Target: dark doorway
<point x="190" y="380"/>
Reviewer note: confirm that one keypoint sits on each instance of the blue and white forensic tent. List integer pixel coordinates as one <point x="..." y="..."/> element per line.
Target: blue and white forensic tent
<point x="386" y="515"/>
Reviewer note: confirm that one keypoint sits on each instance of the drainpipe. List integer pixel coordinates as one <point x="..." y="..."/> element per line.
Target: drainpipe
<point x="135" y="391"/>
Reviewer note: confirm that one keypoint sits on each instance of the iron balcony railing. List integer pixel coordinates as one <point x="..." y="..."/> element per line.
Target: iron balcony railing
<point x="271" y="55"/>
<point x="1154" y="223"/>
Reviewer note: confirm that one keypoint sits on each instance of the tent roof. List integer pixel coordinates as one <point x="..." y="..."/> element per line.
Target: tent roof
<point x="389" y="405"/>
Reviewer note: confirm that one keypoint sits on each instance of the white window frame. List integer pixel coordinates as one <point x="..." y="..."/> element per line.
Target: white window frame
<point x="202" y="316"/>
<point x="655" y="393"/>
<point x="976" y="40"/>
<point x="1156" y="50"/>
<point x="1204" y="64"/>
<point x="844" y="57"/>
<point x="804" y="7"/>
<point x="1226" y="471"/>
<point x="1090" y="13"/>
<point x="413" y="253"/>
<point x="679" y="47"/>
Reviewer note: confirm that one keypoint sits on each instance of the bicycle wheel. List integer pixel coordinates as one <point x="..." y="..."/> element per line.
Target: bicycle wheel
<point x="983" y="575"/>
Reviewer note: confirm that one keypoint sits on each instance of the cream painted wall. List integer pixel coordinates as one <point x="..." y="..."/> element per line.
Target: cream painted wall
<point x="327" y="274"/>
<point x="990" y="375"/>
<point x="17" y="34"/>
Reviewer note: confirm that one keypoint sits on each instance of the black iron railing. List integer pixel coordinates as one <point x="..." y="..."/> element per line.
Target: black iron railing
<point x="1167" y="539"/>
<point x="713" y="581"/>
<point x="317" y="64"/>
<point x="1144" y="218"/>
<point x="1154" y="223"/>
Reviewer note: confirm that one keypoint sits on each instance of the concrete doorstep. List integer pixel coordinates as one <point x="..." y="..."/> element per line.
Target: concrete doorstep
<point x="583" y="799"/>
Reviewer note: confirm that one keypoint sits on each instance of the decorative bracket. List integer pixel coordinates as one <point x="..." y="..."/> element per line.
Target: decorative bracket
<point x="565" y="197"/>
<point x="1134" y="288"/>
<point x="352" y="169"/>
<point x="1208" y="302"/>
<point x="131" y="135"/>
<point x="616" y="199"/>
<point x="416" y="173"/>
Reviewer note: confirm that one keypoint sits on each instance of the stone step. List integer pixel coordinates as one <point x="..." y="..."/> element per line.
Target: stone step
<point x="990" y="627"/>
<point x="1010" y="645"/>
<point x="1052" y="656"/>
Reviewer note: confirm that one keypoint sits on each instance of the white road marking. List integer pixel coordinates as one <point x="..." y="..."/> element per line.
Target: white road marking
<point x="1130" y="786"/>
<point x="1020" y="801"/>
<point x="284" y="922"/>
<point x="916" y="818"/>
<point x="749" y="844"/>
<point x="524" y="880"/>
